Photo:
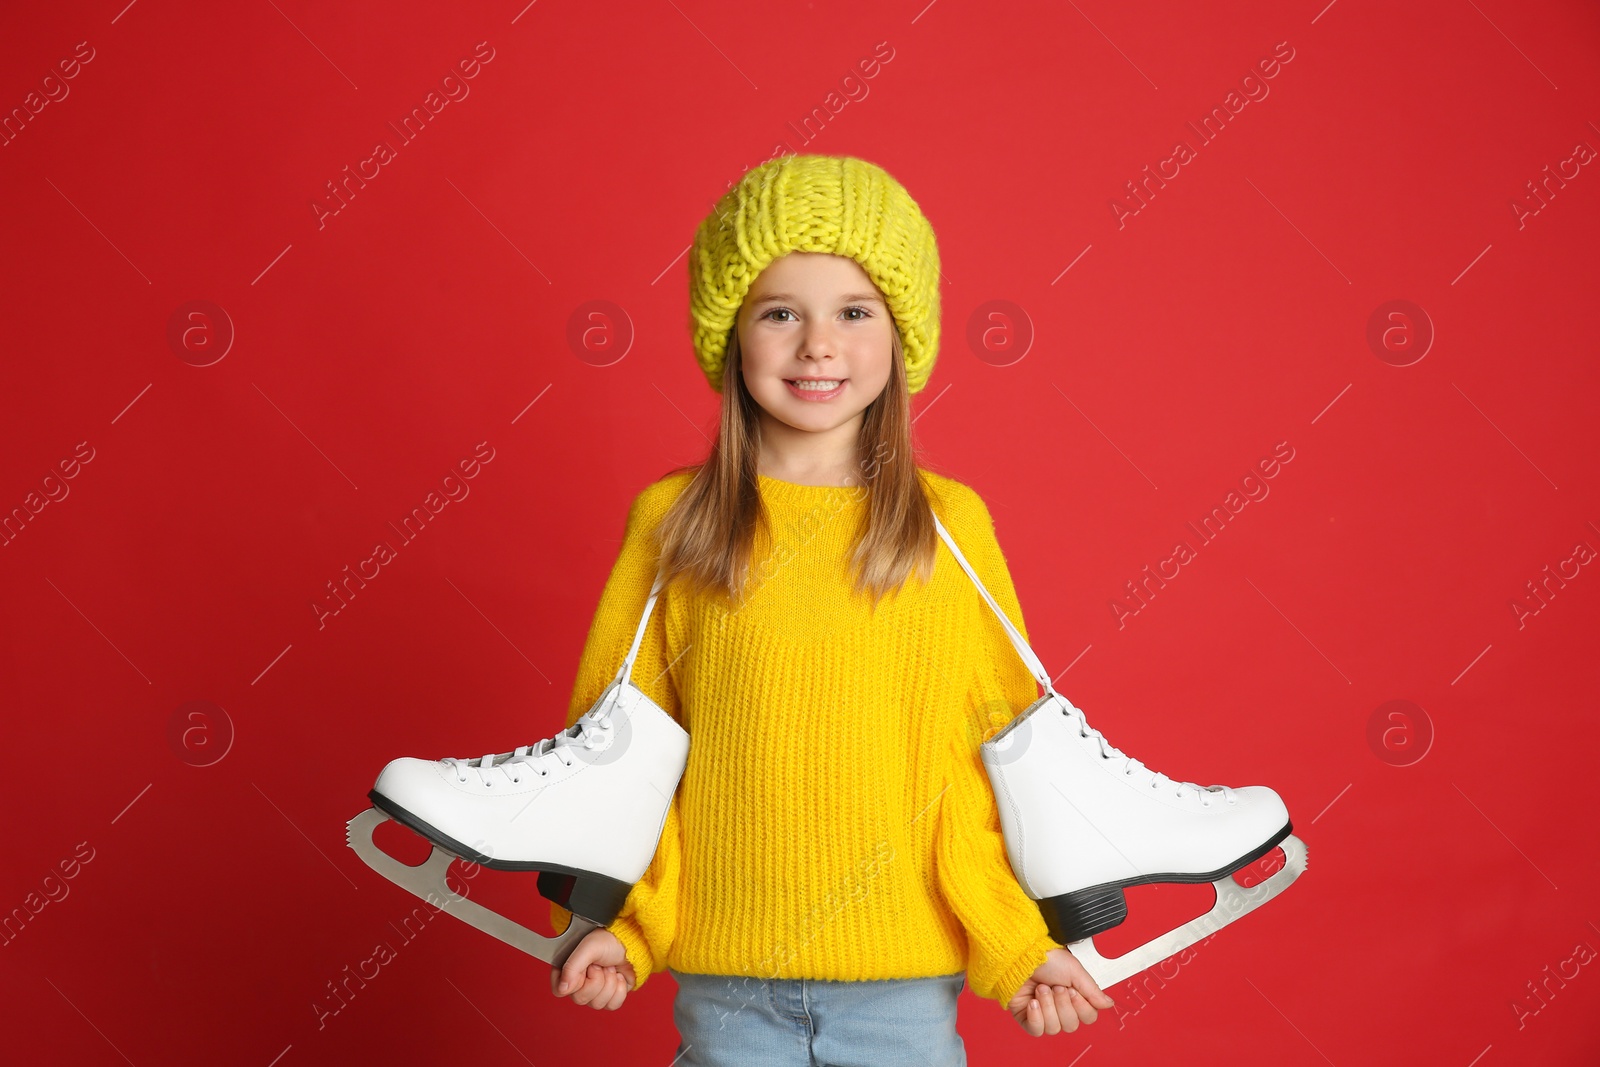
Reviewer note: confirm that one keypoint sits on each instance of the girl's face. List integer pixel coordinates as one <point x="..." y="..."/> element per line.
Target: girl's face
<point x="817" y="318"/>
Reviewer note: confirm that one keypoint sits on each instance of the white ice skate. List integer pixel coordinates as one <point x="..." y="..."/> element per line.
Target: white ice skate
<point x="1083" y="821"/>
<point x="584" y="808"/>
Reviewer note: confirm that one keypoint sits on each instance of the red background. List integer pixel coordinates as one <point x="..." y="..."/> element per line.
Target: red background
<point x="436" y="310"/>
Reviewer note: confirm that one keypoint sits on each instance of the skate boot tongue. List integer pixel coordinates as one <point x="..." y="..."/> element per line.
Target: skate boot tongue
<point x="1130" y="765"/>
<point x="541" y="748"/>
<point x="548" y="745"/>
<point x="576" y="734"/>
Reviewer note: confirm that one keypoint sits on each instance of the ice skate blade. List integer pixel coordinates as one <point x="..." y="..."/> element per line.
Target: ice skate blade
<point x="426" y="880"/>
<point x="1233" y="901"/>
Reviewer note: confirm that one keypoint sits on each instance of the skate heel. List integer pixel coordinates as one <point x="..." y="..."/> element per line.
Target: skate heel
<point x="1084" y="913"/>
<point x="594" y="896"/>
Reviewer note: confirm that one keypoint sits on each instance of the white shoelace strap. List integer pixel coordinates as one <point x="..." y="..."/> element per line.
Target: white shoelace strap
<point x="1040" y="675"/>
<point x="589" y="730"/>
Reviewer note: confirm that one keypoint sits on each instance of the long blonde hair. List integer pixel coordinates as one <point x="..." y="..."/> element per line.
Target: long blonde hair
<point x="708" y="534"/>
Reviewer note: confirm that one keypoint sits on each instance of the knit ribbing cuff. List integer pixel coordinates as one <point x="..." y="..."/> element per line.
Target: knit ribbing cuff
<point x="627" y="930"/>
<point x="1020" y="971"/>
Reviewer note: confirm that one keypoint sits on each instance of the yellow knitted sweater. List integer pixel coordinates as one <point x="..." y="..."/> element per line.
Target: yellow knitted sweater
<point x="834" y="819"/>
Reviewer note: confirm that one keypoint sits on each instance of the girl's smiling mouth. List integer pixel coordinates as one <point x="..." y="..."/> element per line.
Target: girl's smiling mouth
<point x="815" y="388"/>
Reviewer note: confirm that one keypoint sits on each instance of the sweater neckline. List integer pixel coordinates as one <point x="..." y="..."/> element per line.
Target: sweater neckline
<point x="777" y="491"/>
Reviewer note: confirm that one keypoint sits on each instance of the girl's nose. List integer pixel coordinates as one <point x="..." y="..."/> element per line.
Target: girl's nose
<point x="818" y="343"/>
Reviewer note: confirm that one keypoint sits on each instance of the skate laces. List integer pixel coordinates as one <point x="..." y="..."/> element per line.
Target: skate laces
<point x="590" y="730"/>
<point x="1131" y="766"/>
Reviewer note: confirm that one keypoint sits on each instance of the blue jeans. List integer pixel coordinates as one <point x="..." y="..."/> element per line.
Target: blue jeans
<point x="740" y="1021"/>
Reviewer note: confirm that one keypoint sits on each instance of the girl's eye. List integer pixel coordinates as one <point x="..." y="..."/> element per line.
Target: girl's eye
<point x="785" y="311"/>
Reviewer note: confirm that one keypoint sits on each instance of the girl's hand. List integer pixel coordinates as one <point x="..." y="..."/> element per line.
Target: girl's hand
<point x="597" y="973"/>
<point x="1057" y="996"/>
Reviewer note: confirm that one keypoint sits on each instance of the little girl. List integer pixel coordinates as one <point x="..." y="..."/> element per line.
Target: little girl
<point x="831" y="871"/>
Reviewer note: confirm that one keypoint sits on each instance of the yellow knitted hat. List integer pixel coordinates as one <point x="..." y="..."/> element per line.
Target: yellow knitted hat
<point x="812" y="203"/>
